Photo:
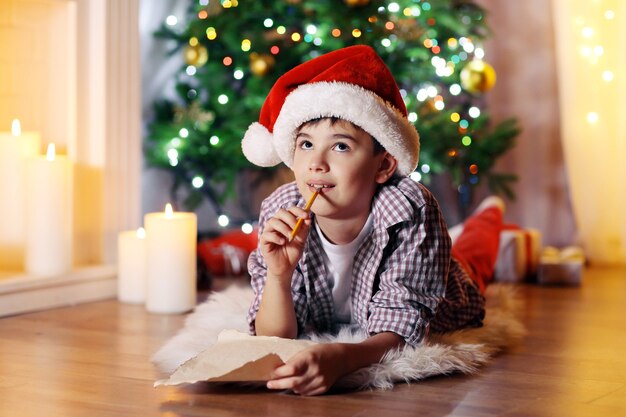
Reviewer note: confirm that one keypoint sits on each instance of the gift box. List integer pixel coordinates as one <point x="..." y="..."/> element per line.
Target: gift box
<point x="561" y="266"/>
<point x="227" y="254"/>
<point x="518" y="254"/>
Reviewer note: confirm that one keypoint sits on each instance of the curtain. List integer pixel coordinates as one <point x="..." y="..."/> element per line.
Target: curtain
<point x="590" y="36"/>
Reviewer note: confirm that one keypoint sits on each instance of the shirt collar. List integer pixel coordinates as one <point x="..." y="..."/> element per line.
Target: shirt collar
<point x="390" y="206"/>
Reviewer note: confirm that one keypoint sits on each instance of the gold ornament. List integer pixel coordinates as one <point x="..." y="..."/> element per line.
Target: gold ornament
<point x="357" y="3"/>
<point x="196" y="55"/>
<point x="194" y="112"/>
<point x="261" y="64"/>
<point x="409" y="29"/>
<point x="478" y="76"/>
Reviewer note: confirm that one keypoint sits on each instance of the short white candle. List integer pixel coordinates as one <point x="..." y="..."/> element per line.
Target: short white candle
<point x="171" y="238"/>
<point x="15" y="148"/>
<point x="49" y="189"/>
<point x="131" y="259"/>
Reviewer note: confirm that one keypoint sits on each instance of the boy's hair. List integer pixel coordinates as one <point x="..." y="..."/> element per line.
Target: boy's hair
<point x="378" y="148"/>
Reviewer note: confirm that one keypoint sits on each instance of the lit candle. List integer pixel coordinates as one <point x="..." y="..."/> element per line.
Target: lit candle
<point x="131" y="260"/>
<point x="49" y="184"/>
<point x="15" y="148"/>
<point x="171" y="238"/>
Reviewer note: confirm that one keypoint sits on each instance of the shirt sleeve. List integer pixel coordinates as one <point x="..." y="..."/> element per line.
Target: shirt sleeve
<point x="257" y="268"/>
<point x="412" y="276"/>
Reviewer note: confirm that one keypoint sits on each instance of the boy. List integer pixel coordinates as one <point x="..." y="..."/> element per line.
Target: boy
<point x="373" y="251"/>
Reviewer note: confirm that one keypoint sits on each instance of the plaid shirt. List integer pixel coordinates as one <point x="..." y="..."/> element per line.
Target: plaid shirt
<point x="404" y="280"/>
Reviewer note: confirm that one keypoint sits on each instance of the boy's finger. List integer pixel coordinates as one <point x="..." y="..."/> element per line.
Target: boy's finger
<point x="283" y="371"/>
<point x="273" y="238"/>
<point x="280" y="226"/>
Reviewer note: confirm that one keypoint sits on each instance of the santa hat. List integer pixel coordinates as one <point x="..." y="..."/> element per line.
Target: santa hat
<point x="353" y="84"/>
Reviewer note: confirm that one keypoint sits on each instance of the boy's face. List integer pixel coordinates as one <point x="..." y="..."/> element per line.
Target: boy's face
<point x="340" y="157"/>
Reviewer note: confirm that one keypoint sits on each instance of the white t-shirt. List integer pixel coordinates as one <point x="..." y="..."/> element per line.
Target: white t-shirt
<point x="339" y="260"/>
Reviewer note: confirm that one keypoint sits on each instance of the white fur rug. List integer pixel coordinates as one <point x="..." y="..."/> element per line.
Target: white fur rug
<point x="463" y="351"/>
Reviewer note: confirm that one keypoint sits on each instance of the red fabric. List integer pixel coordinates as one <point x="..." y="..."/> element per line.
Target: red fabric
<point x="477" y="246"/>
<point x="359" y="65"/>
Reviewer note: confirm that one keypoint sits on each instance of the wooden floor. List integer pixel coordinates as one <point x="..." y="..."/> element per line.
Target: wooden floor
<point x="93" y="360"/>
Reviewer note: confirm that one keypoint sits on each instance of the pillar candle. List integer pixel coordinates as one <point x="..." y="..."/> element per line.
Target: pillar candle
<point x="131" y="260"/>
<point x="15" y="148"/>
<point x="171" y="238"/>
<point x="49" y="184"/>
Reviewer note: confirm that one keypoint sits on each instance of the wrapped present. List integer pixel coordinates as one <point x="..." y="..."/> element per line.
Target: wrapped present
<point x="561" y="266"/>
<point x="518" y="254"/>
<point x="227" y="255"/>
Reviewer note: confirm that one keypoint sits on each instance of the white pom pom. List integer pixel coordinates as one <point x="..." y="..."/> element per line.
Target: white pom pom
<point x="258" y="146"/>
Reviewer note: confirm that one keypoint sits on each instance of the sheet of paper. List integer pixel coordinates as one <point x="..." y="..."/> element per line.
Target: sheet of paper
<point x="237" y="357"/>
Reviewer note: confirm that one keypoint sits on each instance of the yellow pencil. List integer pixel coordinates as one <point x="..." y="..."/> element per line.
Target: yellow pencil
<point x="299" y="222"/>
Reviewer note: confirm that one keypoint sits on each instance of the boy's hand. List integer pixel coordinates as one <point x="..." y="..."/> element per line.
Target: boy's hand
<point x="281" y="255"/>
<point x="312" y="371"/>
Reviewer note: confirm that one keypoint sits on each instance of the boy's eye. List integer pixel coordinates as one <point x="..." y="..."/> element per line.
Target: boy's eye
<point x="341" y="147"/>
<point x="305" y="144"/>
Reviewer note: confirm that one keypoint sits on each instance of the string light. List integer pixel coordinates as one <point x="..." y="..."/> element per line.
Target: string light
<point x="171" y="20"/>
<point x="223" y="220"/>
<point x="415" y="176"/>
<point x="455" y="89"/>
<point x="197" y="182"/>
<point x="393" y="7"/>
<point x="607" y="76"/>
<point x="247" y="228"/>
<point x="474" y="112"/>
<point x="592" y="117"/>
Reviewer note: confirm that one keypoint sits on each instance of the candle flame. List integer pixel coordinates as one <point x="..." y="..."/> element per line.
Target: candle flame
<point x="16" y="128"/>
<point x="169" y="212"/>
<point x="141" y="233"/>
<point x="51" y="152"/>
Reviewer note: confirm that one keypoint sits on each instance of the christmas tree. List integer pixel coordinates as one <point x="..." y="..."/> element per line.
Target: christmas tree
<point x="235" y="50"/>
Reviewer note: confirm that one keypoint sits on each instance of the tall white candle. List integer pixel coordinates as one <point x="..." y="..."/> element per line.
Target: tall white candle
<point x="15" y="148"/>
<point x="49" y="185"/>
<point x="171" y="238"/>
<point x="132" y="264"/>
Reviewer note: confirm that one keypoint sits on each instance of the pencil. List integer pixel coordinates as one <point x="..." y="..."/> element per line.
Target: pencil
<point x="299" y="222"/>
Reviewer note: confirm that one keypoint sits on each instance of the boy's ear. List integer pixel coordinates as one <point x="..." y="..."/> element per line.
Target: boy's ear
<point x="386" y="168"/>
